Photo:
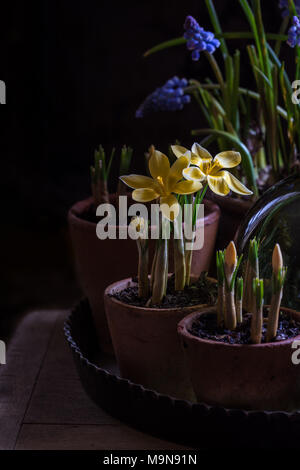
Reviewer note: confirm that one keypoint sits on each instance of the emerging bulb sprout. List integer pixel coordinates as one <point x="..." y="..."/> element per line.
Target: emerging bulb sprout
<point x="251" y="273"/>
<point x="257" y="313"/>
<point x="227" y="267"/>
<point x="230" y="310"/>
<point x="278" y="279"/>
<point x="239" y="299"/>
<point x="100" y="172"/>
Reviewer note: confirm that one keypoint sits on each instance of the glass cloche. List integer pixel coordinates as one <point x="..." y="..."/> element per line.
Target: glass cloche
<point x="275" y="218"/>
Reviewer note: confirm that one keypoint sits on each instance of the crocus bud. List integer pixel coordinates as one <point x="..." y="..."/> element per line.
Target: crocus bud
<point x="277" y="261"/>
<point x="230" y="260"/>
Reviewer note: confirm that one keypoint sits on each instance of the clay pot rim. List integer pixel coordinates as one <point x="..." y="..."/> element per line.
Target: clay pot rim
<point x="236" y="204"/>
<point x="148" y="310"/>
<point x="182" y="330"/>
<point x="80" y="206"/>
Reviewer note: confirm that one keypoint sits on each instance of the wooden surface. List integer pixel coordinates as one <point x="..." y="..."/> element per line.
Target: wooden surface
<point x="42" y="403"/>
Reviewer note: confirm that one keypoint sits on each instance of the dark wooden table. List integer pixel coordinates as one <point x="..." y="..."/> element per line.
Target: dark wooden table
<point x="42" y="403"/>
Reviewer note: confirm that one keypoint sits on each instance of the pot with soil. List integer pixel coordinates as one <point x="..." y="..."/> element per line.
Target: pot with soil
<point x="244" y="360"/>
<point x="97" y="260"/>
<point x="145" y="338"/>
<point x="227" y="370"/>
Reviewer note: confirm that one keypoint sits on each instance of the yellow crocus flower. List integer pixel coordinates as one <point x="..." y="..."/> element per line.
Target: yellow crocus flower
<point x="211" y="170"/>
<point x="165" y="182"/>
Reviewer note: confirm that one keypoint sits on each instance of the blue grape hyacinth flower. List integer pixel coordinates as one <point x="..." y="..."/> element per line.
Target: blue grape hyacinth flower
<point x="284" y="5"/>
<point x="294" y="33"/>
<point x="169" y="97"/>
<point x="198" y="39"/>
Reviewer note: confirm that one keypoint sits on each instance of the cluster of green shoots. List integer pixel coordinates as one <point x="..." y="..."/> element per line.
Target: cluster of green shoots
<point x="100" y="172"/>
<point x="154" y="287"/>
<point x="262" y="123"/>
<point x="237" y="294"/>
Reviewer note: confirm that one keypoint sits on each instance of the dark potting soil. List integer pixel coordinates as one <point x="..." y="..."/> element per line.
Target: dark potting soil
<point x="201" y="292"/>
<point x="206" y="327"/>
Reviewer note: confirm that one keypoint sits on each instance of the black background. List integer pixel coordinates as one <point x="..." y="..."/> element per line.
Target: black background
<point x="75" y="75"/>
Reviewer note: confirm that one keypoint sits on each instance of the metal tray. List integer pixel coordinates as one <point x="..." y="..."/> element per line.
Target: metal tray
<point x="195" y="424"/>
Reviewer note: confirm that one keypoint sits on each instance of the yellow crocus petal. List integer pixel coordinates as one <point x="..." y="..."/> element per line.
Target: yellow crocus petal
<point x="196" y="160"/>
<point x="169" y="206"/>
<point x="187" y="187"/>
<point x="201" y="152"/>
<point x="178" y="150"/>
<point x="193" y="173"/>
<point x="176" y="170"/>
<point x="218" y="184"/>
<point x="144" y="195"/>
<point x="139" y="181"/>
<point x="235" y="185"/>
<point x="159" y="165"/>
<point x="228" y="159"/>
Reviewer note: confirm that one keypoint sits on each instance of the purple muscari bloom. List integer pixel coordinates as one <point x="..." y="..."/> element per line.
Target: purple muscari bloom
<point x="169" y="97"/>
<point x="294" y="33"/>
<point x="284" y="5"/>
<point x="199" y="40"/>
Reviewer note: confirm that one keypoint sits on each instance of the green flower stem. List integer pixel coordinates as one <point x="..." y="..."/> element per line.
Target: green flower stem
<point x="239" y="310"/>
<point x="230" y="311"/>
<point x="189" y="253"/>
<point x="243" y="91"/>
<point x="274" y="316"/>
<point x="282" y="30"/>
<point x="179" y="256"/>
<point x="161" y="269"/>
<point x="188" y="262"/>
<point x="257" y="313"/>
<point x="221" y="287"/>
<point x="221" y="304"/>
<point x="277" y="291"/>
<point x="216" y="25"/>
<point x="143" y="280"/>
<point x="216" y="70"/>
<point x="230" y="273"/>
<point x="251" y="273"/>
<point x="239" y="300"/>
<point x="152" y="276"/>
<point x="256" y="325"/>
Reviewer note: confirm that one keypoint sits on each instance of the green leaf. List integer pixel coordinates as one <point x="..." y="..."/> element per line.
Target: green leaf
<point x="165" y="45"/>
<point x="216" y="25"/>
<point x="239" y="288"/>
<point x="232" y="283"/>
<point x="267" y="81"/>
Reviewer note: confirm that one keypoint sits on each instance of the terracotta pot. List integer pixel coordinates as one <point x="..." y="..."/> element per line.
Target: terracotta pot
<point x="233" y="211"/>
<point x="146" y="344"/>
<point x="101" y="262"/>
<point x="254" y="377"/>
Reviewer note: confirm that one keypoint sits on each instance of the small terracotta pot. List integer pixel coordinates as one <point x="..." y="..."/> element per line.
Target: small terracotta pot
<point x="146" y="344"/>
<point x="101" y="262"/>
<point x="253" y="377"/>
<point x="233" y="210"/>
